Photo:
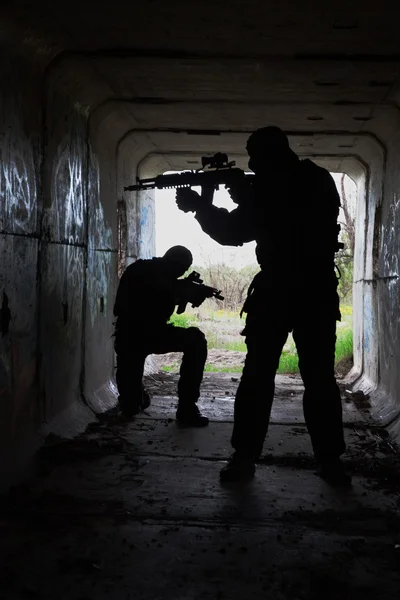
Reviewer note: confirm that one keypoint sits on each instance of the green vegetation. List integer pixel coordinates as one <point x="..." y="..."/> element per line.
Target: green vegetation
<point x="236" y="346"/>
<point x="174" y="368"/>
<point x="344" y="344"/>
<point x="184" y="320"/>
<point x="222" y="329"/>
<point x="288" y="363"/>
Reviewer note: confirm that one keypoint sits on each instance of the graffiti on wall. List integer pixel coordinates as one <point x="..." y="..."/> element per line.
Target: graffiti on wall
<point x="100" y="245"/>
<point x="65" y="219"/>
<point x="390" y="251"/>
<point x="389" y="288"/>
<point x="20" y="156"/>
<point x="369" y="321"/>
<point x="146" y="226"/>
<point x="63" y="265"/>
<point x="19" y="165"/>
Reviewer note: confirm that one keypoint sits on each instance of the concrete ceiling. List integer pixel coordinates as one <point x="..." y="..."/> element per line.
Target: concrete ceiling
<point x="197" y="77"/>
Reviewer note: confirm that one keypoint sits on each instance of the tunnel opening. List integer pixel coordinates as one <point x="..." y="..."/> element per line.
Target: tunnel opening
<point x="225" y="268"/>
<point x="231" y="269"/>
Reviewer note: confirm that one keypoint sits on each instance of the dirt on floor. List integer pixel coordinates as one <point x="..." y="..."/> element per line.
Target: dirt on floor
<point x="135" y="511"/>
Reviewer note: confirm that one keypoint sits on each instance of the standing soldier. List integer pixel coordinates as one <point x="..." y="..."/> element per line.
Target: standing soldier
<point x="290" y="209"/>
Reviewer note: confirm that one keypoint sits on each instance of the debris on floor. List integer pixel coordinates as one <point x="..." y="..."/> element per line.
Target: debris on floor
<point x="135" y="511"/>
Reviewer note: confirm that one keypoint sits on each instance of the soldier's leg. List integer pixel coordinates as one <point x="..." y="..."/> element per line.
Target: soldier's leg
<point x="322" y="401"/>
<point x="193" y="344"/>
<point x="255" y="393"/>
<point x="129" y="374"/>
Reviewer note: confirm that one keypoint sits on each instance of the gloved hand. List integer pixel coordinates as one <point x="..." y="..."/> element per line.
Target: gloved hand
<point x="187" y="199"/>
<point x="238" y="190"/>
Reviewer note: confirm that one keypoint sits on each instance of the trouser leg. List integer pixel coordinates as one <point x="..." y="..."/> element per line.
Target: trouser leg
<point x="129" y="374"/>
<point x="255" y="393"/>
<point x="193" y="344"/>
<point x="321" y="401"/>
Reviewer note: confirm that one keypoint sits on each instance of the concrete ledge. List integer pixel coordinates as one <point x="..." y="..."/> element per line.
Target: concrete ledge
<point x="70" y="422"/>
<point x="103" y="398"/>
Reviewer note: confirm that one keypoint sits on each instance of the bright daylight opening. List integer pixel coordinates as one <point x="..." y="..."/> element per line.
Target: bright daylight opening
<point x="231" y="269"/>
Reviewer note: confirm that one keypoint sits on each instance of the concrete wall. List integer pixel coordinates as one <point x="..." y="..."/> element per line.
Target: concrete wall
<point x="376" y="298"/>
<point x="101" y="271"/>
<point x="58" y="219"/>
<point x="388" y="290"/>
<point x="132" y="151"/>
<point x="20" y="206"/>
<point x="366" y="334"/>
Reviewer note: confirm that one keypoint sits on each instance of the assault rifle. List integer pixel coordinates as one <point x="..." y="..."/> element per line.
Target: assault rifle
<point x="192" y="289"/>
<point x="215" y="171"/>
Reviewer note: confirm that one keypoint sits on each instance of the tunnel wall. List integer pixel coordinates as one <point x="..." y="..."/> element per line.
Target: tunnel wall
<point x="376" y="286"/>
<point x="388" y="290"/>
<point x="20" y="210"/>
<point x="64" y="253"/>
<point x="58" y="272"/>
<point x="358" y="277"/>
<point x="365" y="307"/>
<point x="101" y="268"/>
<point x="132" y="151"/>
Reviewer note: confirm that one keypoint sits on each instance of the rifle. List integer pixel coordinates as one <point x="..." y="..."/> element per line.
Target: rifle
<point x="215" y="171"/>
<point x="192" y="289"/>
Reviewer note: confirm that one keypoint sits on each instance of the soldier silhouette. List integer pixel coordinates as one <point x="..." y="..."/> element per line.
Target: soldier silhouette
<point x="290" y="208"/>
<point x="146" y="297"/>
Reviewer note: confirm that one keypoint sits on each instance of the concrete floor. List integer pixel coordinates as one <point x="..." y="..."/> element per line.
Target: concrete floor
<point x="136" y="511"/>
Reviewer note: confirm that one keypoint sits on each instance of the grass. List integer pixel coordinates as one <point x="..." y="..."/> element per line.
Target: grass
<point x="236" y="346"/>
<point x="174" y="368"/>
<point x="184" y="320"/>
<point x="222" y="330"/>
<point x="344" y="344"/>
<point x="288" y="363"/>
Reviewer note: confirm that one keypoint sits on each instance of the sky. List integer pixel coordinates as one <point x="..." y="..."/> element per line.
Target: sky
<point x="175" y="227"/>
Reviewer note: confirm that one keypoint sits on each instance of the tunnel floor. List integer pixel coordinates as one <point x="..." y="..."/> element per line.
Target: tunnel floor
<point x="136" y="510"/>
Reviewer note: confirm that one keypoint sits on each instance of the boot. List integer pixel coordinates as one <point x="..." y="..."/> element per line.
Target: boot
<point x="128" y="408"/>
<point x="238" y="468"/>
<point x="190" y="416"/>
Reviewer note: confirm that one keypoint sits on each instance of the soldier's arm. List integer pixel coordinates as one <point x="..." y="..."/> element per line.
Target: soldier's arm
<point x="227" y="228"/>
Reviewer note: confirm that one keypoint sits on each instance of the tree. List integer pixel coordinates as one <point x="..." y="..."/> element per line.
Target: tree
<point x="349" y="220"/>
<point x="232" y="282"/>
<point x="345" y="258"/>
